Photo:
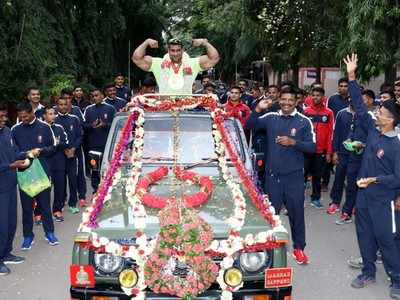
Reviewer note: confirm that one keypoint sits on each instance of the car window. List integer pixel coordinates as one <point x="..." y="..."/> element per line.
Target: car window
<point x="195" y="138"/>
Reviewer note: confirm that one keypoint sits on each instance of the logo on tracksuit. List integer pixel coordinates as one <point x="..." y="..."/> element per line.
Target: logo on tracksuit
<point x="380" y="153"/>
<point x="293" y="132"/>
<point x="71" y="128"/>
<point x="105" y="116"/>
<point x="40" y="139"/>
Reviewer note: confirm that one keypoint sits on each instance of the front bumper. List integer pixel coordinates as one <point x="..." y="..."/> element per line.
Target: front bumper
<point x="250" y="289"/>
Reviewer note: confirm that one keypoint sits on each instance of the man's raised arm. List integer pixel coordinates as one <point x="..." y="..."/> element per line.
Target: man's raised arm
<point x="212" y="58"/>
<point x="140" y="58"/>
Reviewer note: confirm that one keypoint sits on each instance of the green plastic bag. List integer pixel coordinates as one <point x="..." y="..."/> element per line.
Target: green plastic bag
<point x="33" y="180"/>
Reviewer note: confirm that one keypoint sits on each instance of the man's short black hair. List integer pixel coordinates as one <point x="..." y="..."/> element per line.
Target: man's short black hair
<point x="3" y="106"/>
<point x="343" y="80"/>
<point x="108" y="86"/>
<point x="77" y="87"/>
<point x="235" y="87"/>
<point x="66" y="92"/>
<point x="204" y="77"/>
<point x="95" y="90"/>
<point x="47" y="107"/>
<point x="389" y="92"/>
<point x="149" y="81"/>
<point x="301" y="92"/>
<point x="397" y="82"/>
<point x="288" y="83"/>
<point x="31" y="88"/>
<point x="369" y="93"/>
<point x="24" y="106"/>
<point x="273" y="86"/>
<point x="318" y="90"/>
<point x="288" y="90"/>
<point x="119" y="74"/>
<point x="243" y="80"/>
<point x="209" y="84"/>
<point x="386" y="86"/>
<point x="175" y="42"/>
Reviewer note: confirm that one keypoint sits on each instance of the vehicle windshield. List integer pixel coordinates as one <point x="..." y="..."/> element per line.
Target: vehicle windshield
<point x="195" y="140"/>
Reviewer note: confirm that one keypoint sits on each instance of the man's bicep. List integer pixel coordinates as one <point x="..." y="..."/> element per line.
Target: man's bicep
<point x="204" y="63"/>
<point x="146" y="63"/>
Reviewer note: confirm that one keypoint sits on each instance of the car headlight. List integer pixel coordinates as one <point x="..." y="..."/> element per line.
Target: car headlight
<point x="108" y="263"/>
<point x="253" y="262"/>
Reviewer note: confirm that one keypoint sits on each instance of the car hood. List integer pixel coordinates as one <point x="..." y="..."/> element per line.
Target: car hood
<point x="116" y="218"/>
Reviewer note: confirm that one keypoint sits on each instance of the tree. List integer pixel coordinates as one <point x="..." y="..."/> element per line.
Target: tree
<point x="373" y="32"/>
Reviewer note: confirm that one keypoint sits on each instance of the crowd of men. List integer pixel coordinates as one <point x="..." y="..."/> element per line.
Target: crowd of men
<point x="60" y="134"/>
<point x="304" y="136"/>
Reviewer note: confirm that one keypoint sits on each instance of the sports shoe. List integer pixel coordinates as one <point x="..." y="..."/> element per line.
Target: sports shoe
<point x="356" y="263"/>
<point x="51" y="239"/>
<point x="362" y="281"/>
<point x="332" y="209"/>
<point x="82" y="203"/>
<point x="38" y="220"/>
<point x="4" y="270"/>
<point x="58" y="217"/>
<point x="27" y="243"/>
<point x="317" y="204"/>
<point x="300" y="257"/>
<point x="344" y="219"/>
<point x="73" y="210"/>
<point x="13" y="259"/>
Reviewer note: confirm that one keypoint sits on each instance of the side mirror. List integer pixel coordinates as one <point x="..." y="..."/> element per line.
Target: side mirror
<point x="258" y="161"/>
<point x="95" y="160"/>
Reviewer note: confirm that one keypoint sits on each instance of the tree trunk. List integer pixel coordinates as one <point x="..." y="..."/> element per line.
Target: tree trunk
<point x="295" y="68"/>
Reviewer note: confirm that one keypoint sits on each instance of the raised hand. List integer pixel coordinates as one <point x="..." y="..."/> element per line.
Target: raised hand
<point x="152" y="43"/>
<point x="264" y="105"/>
<point x="351" y="65"/>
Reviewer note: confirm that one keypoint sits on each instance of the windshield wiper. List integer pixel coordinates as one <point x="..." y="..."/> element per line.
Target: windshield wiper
<point x="204" y="162"/>
<point x="157" y="158"/>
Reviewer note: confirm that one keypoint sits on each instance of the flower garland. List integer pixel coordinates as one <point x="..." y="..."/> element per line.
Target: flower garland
<point x="159" y="202"/>
<point x="111" y="178"/>
<point x="183" y="238"/>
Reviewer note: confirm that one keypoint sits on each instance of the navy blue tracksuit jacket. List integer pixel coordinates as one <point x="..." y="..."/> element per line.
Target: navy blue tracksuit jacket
<point x="73" y="129"/>
<point x="118" y="103"/>
<point x="341" y="132"/>
<point x="374" y="225"/>
<point x="37" y="134"/>
<point x="123" y="92"/>
<point x="8" y="192"/>
<point x="58" y="166"/>
<point x="97" y="137"/>
<point x="336" y="103"/>
<point x="284" y="167"/>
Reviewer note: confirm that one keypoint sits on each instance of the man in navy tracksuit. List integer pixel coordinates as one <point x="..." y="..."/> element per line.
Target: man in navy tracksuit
<point x="288" y="136"/>
<point x="8" y="194"/>
<point x="57" y="163"/>
<point x="75" y="111"/>
<point x="73" y="129"/>
<point x="344" y="121"/>
<point x="37" y="137"/>
<point x="111" y="97"/>
<point x="379" y="184"/>
<point x="123" y="91"/>
<point x="98" y="119"/>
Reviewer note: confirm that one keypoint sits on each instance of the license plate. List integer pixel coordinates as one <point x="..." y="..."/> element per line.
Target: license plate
<point x="278" y="277"/>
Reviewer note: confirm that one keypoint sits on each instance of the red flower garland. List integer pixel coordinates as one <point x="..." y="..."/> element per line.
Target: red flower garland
<point x="160" y="202"/>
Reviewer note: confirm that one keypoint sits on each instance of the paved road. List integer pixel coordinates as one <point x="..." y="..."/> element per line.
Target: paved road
<point x="44" y="276"/>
